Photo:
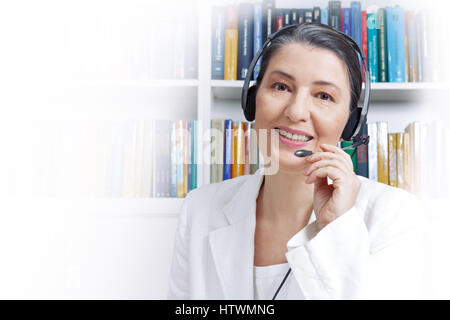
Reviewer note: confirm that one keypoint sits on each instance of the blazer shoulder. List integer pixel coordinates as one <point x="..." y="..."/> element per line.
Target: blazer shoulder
<point x="208" y="200"/>
<point x="388" y="211"/>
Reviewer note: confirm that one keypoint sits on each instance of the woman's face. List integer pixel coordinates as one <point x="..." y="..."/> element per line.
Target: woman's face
<point x="304" y="89"/>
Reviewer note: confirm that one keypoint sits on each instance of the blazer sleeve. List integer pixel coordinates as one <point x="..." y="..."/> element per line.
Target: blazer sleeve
<point x="179" y="272"/>
<point x="362" y="255"/>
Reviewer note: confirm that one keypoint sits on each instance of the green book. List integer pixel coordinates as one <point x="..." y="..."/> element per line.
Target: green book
<point x="350" y="152"/>
<point x="382" y="46"/>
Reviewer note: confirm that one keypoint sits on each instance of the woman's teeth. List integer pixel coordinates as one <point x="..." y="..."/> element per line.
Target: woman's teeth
<point x="295" y="137"/>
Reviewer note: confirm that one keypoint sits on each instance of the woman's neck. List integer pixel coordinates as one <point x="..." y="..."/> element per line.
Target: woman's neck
<point x="285" y="199"/>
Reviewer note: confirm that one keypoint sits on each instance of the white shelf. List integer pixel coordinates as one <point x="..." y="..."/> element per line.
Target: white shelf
<point x="380" y="91"/>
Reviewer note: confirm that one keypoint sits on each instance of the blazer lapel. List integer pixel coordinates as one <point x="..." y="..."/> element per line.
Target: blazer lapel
<point x="232" y="246"/>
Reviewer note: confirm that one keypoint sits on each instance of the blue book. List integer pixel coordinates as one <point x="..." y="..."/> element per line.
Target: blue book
<point x="356" y="22"/>
<point x="324" y="16"/>
<point x="346" y="21"/>
<point x="228" y="149"/>
<point x="245" y="41"/>
<point x="257" y="35"/>
<point x="395" y="26"/>
<point x="372" y="45"/>
<point x="218" y="42"/>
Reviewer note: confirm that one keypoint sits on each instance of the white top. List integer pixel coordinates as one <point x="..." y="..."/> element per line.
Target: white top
<point x="267" y="279"/>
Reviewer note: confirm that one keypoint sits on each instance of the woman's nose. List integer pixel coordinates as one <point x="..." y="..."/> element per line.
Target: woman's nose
<point x="298" y="108"/>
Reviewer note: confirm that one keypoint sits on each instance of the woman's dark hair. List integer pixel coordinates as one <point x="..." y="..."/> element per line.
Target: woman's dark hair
<point x="318" y="35"/>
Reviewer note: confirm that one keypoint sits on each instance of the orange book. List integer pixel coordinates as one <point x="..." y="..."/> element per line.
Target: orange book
<point x="231" y="43"/>
<point x="237" y="168"/>
<point x="382" y="152"/>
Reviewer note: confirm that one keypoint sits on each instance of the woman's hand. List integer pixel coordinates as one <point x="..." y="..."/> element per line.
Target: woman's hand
<point x="331" y="201"/>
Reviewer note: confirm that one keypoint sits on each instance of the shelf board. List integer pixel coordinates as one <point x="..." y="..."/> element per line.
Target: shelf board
<point x="380" y="91"/>
<point x="98" y="207"/>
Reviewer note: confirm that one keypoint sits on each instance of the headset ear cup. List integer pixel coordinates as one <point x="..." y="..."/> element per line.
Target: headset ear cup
<point x="249" y="111"/>
<point x="352" y="122"/>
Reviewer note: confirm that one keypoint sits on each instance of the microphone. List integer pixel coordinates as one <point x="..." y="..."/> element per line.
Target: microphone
<point x="356" y="142"/>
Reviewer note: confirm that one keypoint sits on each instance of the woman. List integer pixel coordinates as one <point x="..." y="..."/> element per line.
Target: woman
<point x="354" y="238"/>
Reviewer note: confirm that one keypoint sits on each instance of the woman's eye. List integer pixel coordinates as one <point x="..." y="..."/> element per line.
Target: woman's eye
<point x="325" y="96"/>
<point x="280" y="86"/>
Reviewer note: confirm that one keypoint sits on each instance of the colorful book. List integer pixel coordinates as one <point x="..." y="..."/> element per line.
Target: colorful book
<point x="228" y="149"/>
<point x="294" y="16"/>
<point x="382" y="45"/>
<point x="245" y="39"/>
<point x="237" y="167"/>
<point x="412" y="46"/>
<point x="400" y="169"/>
<point x="247" y="147"/>
<point x="279" y="19"/>
<point x="257" y="35"/>
<point x="301" y="15"/>
<point x="185" y="157"/>
<point x="346" y="20"/>
<point x="189" y="153"/>
<point x="382" y="152"/>
<point x="334" y="14"/>
<point x="308" y="15"/>
<point x="392" y="158"/>
<point x="231" y="43"/>
<point x="372" y="42"/>
<point x="324" y="16"/>
<point x="268" y="7"/>
<point x="218" y="42"/>
<point x="395" y="26"/>
<point x="356" y="21"/>
<point x="180" y="158"/>
<point x="217" y="148"/>
<point x="364" y="35"/>
<point x="316" y="14"/>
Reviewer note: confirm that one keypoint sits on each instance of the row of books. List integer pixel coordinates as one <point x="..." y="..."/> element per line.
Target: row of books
<point x="401" y="45"/>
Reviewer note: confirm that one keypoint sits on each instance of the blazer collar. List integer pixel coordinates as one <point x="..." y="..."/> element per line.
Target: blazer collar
<point x="232" y="246"/>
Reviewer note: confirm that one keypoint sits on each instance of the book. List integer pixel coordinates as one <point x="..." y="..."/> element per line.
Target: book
<point x="294" y="16"/>
<point x="412" y="46"/>
<point x="382" y="152"/>
<point x="372" y="151"/>
<point x="287" y="16"/>
<point x="382" y="45"/>
<point x="247" y="147"/>
<point x="254" y="150"/>
<point x="334" y="14"/>
<point x="406" y="160"/>
<point x="173" y="159"/>
<point x="301" y="15"/>
<point x="217" y="149"/>
<point x="316" y="14"/>
<point x="189" y="154"/>
<point x="231" y="43"/>
<point x="180" y="158"/>
<point x="228" y="149"/>
<point x="194" y="152"/>
<point x="279" y="19"/>
<point x="218" y="17"/>
<point x="372" y="42"/>
<point x="237" y="167"/>
<point x="400" y="169"/>
<point x="268" y="7"/>
<point x="245" y="39"/>
<point x="346" y="20"/>
<point x="364" y="35"/>
<point x="308" y="13"/>
<point x="392" y="158"/>
<point x="395" y="26"/>
<point x="356" y="21"/>
<point x="257" y="35"/>
<point x="324" y="16"/>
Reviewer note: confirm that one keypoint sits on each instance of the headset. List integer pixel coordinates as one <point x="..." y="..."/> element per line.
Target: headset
<point x="358" y="117"/>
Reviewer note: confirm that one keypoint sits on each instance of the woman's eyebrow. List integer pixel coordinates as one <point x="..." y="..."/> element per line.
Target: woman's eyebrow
<point x="287" y="75"/>
<point x="326" y="83"/>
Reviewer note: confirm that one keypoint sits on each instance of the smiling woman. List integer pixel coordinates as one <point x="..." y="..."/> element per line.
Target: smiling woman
<point x="351" y="239"/>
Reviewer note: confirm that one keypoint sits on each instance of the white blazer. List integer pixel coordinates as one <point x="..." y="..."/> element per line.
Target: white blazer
<point x="374" y="250"/>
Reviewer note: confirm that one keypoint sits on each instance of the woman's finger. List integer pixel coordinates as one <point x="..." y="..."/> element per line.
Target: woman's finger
<point x="323" y="163"/>
<point x="331" y="156"/>
<point x="333" y="173"/>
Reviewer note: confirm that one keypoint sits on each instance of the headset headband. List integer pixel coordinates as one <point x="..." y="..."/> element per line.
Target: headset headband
<point x="357" y="133"/>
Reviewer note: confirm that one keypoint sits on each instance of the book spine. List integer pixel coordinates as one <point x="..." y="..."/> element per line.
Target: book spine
<point x="173" y="159"/>
<point x="334" y="14"/>
<point x="247" y="147"/>
<point x="214" y="160"/>
<point x="189" y="153"/>
<point x="372" y="40"/>
<point x="372" y="151"/>
<point x="185" y="157"/>
<point x="382" y="152"/>
<point x="268" y="7"/>
<point x="180" y="157"/>
<point x="218" y="42"/>
<point x="392" y="147"/>
<point x="245" y="39"/>
<point x="342" y="22"/>
<point x="362" y="165"/>
<point x="382" y="45"/>
<point x="356" y="21"/>
<point x="346" y="28"/>
<point x="294" y="16"/>
<point x="309" y="15"/>
<point x="400" y="155"/>
<point x="220" y="125"/>
<point x="254" y="150"/>
<point x="407" y="160"/>
<point x="324" y="16"/>
<point x="194" y="152"/>
<point x="301" y="15"/>
<point x="279" y="19"/>
<point x="238" y="150"/>
<point x="231" y="43"/>
<point x="228" y="149"/>
<point x="287" y="16"/>
<point x="364" y="32"/>
<point x="412" y="47"/>
<point x="316" y="14"/>
<point x="399" y="21"/>
<point x="257" y="35"/>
